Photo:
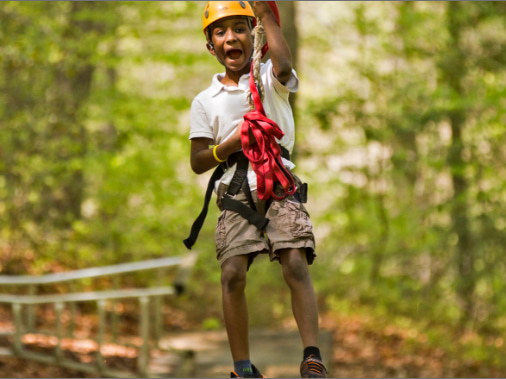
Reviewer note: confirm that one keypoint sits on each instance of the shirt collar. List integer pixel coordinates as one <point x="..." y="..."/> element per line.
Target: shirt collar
<point x="217" y="86"/>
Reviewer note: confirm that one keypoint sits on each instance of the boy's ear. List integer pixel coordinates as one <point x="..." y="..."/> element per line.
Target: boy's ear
<point x="210" y="48"/>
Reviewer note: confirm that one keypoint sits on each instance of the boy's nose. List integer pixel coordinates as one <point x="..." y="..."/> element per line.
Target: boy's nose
<point x="230" y="35"/>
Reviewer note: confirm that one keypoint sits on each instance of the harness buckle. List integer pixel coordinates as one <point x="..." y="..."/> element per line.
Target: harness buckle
<point x="225" y="166"/>
<point x="229" y="196"/>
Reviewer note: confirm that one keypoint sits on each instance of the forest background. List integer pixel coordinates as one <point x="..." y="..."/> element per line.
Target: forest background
<point x="401" y="134"/>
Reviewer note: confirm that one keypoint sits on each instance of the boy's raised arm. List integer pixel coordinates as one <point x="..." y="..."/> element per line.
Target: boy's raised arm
<point x="280" y="53"/>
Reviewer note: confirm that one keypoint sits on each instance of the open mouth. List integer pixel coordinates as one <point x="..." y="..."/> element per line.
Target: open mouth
<point x="234" y="53"/>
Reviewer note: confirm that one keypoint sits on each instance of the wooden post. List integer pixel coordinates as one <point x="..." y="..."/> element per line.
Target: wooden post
<point x="144" y="331"/>
<point x="58" y="307"/>
<point x="101" y="334"/>
<point x="18" y="325"/>
<point x="158" y="309"/>
<point x="31" y="310"/>
<point x="115" y="317"/>
<point x="73" y="313"/>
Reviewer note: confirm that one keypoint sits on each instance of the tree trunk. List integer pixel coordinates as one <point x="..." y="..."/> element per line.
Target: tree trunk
<point x="453" y="70"/>
<point x="287" y="14"/>
<point x="73" y="78"/>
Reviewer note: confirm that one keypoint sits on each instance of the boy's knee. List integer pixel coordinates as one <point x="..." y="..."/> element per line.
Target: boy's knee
<point x="295" y="267"/>
<point x="297" y="272"/>
<point x="233" y="277"/>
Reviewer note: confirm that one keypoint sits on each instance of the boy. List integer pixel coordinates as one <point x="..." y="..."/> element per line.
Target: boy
<point x="216" y="118"/>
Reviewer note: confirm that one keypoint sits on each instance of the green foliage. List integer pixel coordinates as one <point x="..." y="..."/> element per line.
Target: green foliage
<point x="94" y="158"/>
<point x="401" y="137"/>
<point x="409" y="141"/>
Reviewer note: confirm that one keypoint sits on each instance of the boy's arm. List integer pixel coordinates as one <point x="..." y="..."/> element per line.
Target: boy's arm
<point x="280" y="52"/>
<point x="202" y="158"/>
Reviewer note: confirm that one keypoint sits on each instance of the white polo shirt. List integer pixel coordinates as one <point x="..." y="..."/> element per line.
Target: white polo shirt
<point x="217" y="111"/>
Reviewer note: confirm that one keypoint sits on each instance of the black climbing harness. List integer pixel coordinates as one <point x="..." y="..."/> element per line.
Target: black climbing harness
<point x="239" y="181"/>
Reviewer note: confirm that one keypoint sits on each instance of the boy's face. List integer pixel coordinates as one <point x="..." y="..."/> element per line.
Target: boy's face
<point x="233" y="43"/>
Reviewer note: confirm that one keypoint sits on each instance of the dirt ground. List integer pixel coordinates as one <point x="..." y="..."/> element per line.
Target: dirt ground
<point x="360" y="350"/>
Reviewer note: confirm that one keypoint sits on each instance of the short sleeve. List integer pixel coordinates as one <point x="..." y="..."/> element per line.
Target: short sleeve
<point x="292" y="85"/>
<point x="199" y="124"/>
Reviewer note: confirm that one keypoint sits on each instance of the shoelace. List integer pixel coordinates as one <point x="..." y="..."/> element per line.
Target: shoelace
<point x="314" y="365"/>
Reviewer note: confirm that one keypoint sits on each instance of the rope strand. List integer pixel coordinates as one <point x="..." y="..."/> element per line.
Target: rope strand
<point x="259" y="34"/>
<point x="265" y="154"/>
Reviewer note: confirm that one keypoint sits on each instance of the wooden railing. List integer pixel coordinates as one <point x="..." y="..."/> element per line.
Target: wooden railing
<point x="150" y="300"/>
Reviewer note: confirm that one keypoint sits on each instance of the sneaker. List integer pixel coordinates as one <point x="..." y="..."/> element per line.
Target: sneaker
<point x="312" y="367"/>
<point x="255" y="374"/>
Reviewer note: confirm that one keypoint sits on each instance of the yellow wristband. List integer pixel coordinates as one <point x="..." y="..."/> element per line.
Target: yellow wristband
<point x="216" y="156"/>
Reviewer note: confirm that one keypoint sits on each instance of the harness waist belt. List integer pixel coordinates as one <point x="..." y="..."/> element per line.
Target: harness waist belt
<point x="239" y="181"/>
<point x="248" y="213"/>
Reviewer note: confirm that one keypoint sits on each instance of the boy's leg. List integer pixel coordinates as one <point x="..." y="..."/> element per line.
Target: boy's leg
<point x="235" y="311"/>
<point x="296" y="273"/>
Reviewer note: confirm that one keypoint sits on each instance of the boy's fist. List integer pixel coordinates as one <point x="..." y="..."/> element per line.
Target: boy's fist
<point x="238" y="134"/>
<point x="261" y="9"/>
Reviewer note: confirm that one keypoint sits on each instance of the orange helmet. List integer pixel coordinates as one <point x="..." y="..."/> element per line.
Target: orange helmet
<point x="216" y="10"/>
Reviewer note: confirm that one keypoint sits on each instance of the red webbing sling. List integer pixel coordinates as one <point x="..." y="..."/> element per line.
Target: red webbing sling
<point x="265" y="154"/>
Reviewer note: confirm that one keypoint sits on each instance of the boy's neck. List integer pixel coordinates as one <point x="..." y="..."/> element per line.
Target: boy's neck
<point x="232" y="78"/>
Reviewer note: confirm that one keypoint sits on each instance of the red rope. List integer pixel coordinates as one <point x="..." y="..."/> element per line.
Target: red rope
<point x="265" y="154"/>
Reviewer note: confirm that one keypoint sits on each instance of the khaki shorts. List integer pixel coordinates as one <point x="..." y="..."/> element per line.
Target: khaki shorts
<point x="289" y="227"/>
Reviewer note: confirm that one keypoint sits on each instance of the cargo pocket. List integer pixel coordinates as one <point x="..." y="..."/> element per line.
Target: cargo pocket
<point x="299" y="221"/>
<point x="220" y="235"/>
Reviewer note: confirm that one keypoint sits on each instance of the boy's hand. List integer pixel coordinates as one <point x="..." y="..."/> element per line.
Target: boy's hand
<point x="262" y="9"/>
<point x="280" y="53"/>
<point x="237" y="135"/>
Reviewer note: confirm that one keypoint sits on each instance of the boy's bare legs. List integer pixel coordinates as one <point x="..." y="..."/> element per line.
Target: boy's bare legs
<point x="296" y="274"/>
<point x="235" y="311"/>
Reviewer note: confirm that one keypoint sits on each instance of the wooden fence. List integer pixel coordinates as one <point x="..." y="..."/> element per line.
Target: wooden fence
<point x="150" y="302"/>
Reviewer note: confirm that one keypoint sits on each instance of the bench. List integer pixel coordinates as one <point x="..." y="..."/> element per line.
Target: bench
<point x="150" y="301"/>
